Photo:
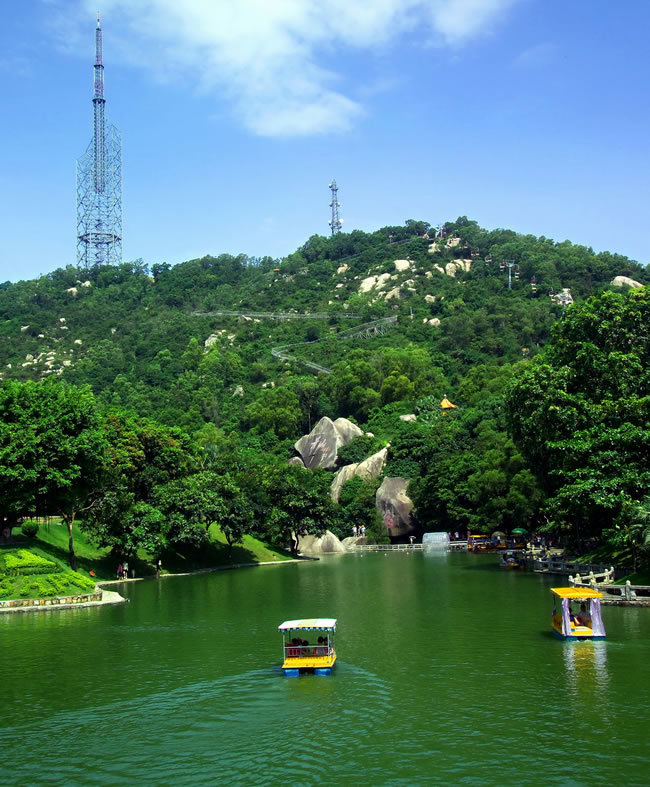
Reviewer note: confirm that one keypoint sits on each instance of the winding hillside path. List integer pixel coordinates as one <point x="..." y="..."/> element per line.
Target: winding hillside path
<point x="279" y="315"/>
<point x="364" y="331"/>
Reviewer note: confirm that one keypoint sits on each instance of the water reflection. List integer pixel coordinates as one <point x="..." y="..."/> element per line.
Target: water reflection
<point x="586" y="669"/>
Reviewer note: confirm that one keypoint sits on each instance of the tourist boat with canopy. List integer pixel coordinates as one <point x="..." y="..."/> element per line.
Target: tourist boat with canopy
<point x="512" y="559"/>
<point x="577" y="624"/>
<point x="301" y="655"/>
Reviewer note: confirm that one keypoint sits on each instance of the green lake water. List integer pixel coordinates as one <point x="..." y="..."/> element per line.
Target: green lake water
<point x="447" y="672"/>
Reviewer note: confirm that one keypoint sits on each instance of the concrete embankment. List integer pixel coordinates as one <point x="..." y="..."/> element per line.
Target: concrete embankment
<point x="52" y="604"/>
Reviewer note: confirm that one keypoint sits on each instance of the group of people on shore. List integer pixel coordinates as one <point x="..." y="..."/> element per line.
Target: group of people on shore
<point x="358" y="530"/>
<point x="122" y="571"/>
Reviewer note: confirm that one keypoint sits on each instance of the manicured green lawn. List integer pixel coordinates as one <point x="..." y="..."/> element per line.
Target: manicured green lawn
<point x="251" y="550"/>
<point x="52" y="538"/>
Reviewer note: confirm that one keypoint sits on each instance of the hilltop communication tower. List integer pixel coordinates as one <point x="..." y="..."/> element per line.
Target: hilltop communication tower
<point x="336" y="221"/>
<point x="99" y="182"/>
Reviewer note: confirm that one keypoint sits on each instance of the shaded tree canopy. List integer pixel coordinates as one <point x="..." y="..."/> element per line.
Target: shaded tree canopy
<point x="580" y="412"/>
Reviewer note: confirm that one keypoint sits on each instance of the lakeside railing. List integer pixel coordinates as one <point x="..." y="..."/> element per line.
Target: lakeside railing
<point x="605" y="577"/>
<point x="453" y="546"/>
<point x="603" y="582"/>
<point x="457" y="546"/>
<point x="564" y="567"/>
<point x="386" y="547"/>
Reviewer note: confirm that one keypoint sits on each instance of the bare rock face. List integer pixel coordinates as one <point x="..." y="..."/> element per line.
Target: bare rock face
<point x="320" y="447"/>
<point x="344" y="474"/>
<point x="395" y="506"/>
<point x="374" y="282"/>
<point x="373" y="465"/>
<point x="408" y="417"/>
<point x="318" y="545"/>
<point x="394" y="293"/>
<point x="346" y="430"/>
<point x="351" y="541"/>
<point x="296" y="460"/>
<point x="451" y="268"/>
<point x="369" y="468"/>
<point x="625" y="281"/>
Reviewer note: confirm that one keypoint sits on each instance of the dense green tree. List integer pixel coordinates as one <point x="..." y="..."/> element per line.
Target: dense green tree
<point x="580" y="412"/>
<point x="358" y="507"/>
<point x="142" y="457"/>
<point x="52" y="451"/>
<point x="300" y="505"/>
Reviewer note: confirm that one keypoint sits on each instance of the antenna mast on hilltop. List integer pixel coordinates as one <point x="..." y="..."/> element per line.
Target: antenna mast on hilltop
<point x="336" y="221"/>
<point x="99" y="182"/>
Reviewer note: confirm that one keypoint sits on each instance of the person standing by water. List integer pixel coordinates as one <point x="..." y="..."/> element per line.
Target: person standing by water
<point x="126" y="569"/>
<point x="158" y="568"/>
<point x="120" y="571"/>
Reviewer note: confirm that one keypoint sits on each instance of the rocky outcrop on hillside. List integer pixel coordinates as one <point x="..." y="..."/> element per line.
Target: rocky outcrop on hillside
<point x="320" y="447"/>
<point x="625" y="281"/>
<point x="395" y="506"/>
<point x="369" y="468"/>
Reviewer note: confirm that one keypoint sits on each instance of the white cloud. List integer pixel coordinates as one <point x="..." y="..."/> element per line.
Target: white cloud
<point x="266" y="55"/>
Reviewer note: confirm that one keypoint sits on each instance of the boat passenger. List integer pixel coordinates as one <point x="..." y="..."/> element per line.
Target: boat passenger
<point x="583" y="618"/>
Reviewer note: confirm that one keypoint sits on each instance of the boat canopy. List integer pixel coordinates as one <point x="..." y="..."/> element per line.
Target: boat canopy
<point x="576" y="593"/>
<point x="309" y="624"/>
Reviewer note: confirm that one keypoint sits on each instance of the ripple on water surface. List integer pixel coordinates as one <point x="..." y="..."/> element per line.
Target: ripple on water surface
<point x="446" y="672"/>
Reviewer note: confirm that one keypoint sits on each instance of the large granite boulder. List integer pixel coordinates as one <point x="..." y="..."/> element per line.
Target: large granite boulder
<point x="296" y="460"/>
<point x="320" y="447"/>
<point x="625" y="281"/>
<point x="395" y="506"/>
<point x="344" y="474"/>
<point x="319" y="545"/>
<point x="369" y="468"/>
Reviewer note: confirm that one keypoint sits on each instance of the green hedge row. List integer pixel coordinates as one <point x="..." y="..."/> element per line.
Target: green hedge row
<point x="65" y="583"/>
<point x="25" y="562"/>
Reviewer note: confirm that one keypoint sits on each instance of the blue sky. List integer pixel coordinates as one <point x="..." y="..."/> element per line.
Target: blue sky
<point x="526" y="114"/>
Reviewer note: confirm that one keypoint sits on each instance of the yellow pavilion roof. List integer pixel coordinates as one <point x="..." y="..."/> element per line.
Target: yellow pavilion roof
<point x="309" y="624"/>
<point x="445" y="404"/>
<point x="576" y="593"/>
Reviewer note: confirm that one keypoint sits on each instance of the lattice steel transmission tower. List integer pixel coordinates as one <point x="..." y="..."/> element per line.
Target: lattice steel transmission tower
<point x="336" y="221"/>
<point x="99" y="182"/>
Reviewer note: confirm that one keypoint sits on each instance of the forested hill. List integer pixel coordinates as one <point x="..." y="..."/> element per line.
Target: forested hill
<point x="132" y="333"/>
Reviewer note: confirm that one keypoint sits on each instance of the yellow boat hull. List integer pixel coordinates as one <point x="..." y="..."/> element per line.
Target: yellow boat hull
<point x="309" y="662"/>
